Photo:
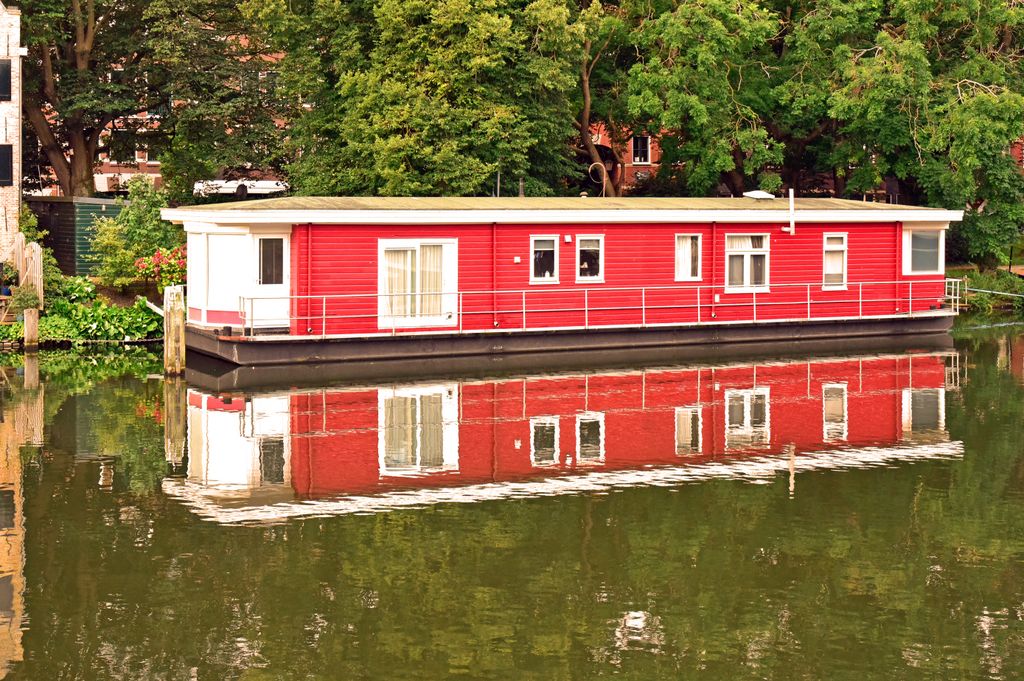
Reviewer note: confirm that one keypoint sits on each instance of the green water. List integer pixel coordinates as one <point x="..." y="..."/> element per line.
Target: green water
<point x="908" y="570"/>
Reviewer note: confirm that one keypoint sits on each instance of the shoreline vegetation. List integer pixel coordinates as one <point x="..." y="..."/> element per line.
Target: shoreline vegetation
<point x="135" y="252"/>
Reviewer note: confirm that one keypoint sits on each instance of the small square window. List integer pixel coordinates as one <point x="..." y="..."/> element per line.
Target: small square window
<point x="544" y="441"/>
<point x="688" y="257"/>
<point x="641" y="149"/>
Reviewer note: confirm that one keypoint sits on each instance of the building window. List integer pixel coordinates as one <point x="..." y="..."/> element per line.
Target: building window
<point x="590" y="437"/>
<point x="688" y="257"/>
<point x="5" y="80"/>
<point x="641" y="149"/>
<point x="747" y="261"/>
<point x="923" y="251"/>
<point x="544" y="441"/>
<point x="689" y="431"/>
<point x="6" y="165"/>
<point x="589" y="258"/>
<point x="544" y="256"/>
<point x="834" y="261"/>
<point x="834" y="414"/>
<point x="747" y="418"/>
<point x="417" y="283"/>
<point x="271" y="261"/>
<point x="418" y="430"/>
<point x="924" y="413"/>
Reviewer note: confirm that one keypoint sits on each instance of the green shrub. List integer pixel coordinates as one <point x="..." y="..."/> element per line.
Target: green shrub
<point x="136" y="232"/>
<point x="999" y="281"/>
<point x="12" y="332"/>
<point x="24" y="298"/>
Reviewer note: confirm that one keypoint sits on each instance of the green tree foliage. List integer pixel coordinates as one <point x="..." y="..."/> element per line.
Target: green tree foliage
<point x="94" y="65"/>
<point x="438" y="98"/>
<point x="136" y="232"/>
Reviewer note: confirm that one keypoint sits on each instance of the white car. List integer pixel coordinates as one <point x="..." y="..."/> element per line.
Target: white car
<point x="240" y="188"/>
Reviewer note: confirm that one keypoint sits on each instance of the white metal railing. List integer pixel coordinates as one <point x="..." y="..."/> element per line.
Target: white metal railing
<point x="358" y="315"/>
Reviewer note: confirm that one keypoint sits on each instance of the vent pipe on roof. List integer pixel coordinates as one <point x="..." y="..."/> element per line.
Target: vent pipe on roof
<point x="792" y="213"/>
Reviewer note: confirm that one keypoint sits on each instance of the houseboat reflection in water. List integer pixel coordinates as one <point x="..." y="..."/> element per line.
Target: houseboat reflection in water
<point x="262" y="457"/>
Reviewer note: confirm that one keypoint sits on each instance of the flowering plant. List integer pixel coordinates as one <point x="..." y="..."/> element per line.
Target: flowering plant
<point x="166" y="267"/>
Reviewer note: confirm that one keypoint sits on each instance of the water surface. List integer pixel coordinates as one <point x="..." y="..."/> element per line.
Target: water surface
<point x="856" y="516"/>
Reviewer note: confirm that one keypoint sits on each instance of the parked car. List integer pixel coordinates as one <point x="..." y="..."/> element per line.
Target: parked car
<point x="240" y="188"/>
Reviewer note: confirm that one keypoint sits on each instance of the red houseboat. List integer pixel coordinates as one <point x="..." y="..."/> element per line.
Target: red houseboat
<point x="264" y="456"/>
<point x="287" y="279"/>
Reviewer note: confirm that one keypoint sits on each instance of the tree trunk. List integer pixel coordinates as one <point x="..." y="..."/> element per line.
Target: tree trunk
<point x="610" y="187"/>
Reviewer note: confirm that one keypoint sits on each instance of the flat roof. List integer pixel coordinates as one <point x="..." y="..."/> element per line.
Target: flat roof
<point x="465" y="210"/>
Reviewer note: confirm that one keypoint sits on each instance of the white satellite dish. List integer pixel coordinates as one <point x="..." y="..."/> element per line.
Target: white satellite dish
<point x="759" y="195"/>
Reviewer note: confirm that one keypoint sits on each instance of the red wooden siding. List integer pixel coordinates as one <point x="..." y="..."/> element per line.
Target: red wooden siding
<point x="331" y="260"/>
<point x="335" y="445"/>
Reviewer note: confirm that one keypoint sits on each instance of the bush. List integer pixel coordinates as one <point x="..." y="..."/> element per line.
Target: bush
<point x="167" y="267"/>
<point x="999" y="281"/>
<point x="137" y="232"/>
<point x="24" y="298"/>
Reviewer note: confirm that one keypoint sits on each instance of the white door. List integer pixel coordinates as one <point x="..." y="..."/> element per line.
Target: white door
<point x="271" y="306"/>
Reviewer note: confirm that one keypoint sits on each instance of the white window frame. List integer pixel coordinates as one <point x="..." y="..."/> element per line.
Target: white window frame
<point x="700" y="429"/>
<point x="908" y="412"/>
<point x="285" y="260"/>
<point x="588" y="280"/>
<point x="543" y="280"/>
<point x="589" y="416"/>
<point x="845" y="249"/>
<point x="450" y="428"/>
<point x="449" y="284"/>
<point x="746" y="253"/>
<point x="700" y="257"/>
<point x="747" y="429"/>
<point x="545" y="421"/>
<point x="632" y="148"/>
<point x="908" y="255"/>
<point x="835" y="434"/>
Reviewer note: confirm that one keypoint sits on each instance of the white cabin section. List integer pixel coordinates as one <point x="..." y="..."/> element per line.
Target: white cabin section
<point x="240" y="449"/>
<point x="229" y="263"/>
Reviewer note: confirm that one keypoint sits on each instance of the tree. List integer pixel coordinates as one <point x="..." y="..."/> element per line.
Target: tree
<point x="409" y="97"/>
<point x="94" y="64"/>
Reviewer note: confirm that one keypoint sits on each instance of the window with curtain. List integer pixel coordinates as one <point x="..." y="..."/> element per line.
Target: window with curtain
<point x="834" y="264"/>
<point x="544" y="256"/>
<point x="590" y="258"/>
<point x="687" y="257"/>
<point x="688" y="431"/>
<point x="834" y="416"/>
<point x="924" y="251"/>
<point x="746" y="261"/>
<point x="747" y="420"/>
<point x="413" y="282"/>
<point x="413" y="432"/>
<point x="272" y="463"/>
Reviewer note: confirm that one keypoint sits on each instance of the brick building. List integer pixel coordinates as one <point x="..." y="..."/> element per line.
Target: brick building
<point x="11" y="53"/>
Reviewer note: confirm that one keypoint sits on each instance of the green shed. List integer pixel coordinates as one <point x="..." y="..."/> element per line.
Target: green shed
<point x="70" y="223"/>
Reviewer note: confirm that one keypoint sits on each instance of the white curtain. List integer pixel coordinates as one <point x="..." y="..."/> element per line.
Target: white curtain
<point x="736" y="270"/>
<point x="687" y="431"/>
<point x="431" y="431"/>
<point x="835" y="405"/>
<point x="401" y="271"/>
<point x="738" y="242"/>
<point x="685" y="256"/>
<point x="400" y="432"/>
<point x="430" y="280"/>
<point x="834" y="267"/>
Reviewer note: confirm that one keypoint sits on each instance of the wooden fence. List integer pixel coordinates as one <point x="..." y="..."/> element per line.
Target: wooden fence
<point x="27" y="259"/>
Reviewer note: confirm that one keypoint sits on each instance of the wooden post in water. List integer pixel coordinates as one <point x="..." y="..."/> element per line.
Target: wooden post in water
<point x="31" y="330"/>
<point x="31" y="372"/>
<point x="175" y="414"/>
<point x="174" y="330"/>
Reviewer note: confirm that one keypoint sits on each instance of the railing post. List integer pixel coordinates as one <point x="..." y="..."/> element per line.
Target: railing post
<point x="643" y="307"/>
<point x="251" y="320"/>
<point x="323" y="316"/>
<point x="460" y="311"/>
<point x="586" y="308"/>
<point x="808" y="301"/>
<point x="910" y="308"/>
<point x="860" y="300"/>
<point x="755" y="306"/>
<point x="698" y="303"/>
<point x="524" y="309"/>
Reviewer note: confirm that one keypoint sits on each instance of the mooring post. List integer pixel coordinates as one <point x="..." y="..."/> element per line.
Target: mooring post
<point x="31" y="371"/>
<point x="174" y="331"/>
<point x="31" y="329"/>
<point x="174" y="420"/>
